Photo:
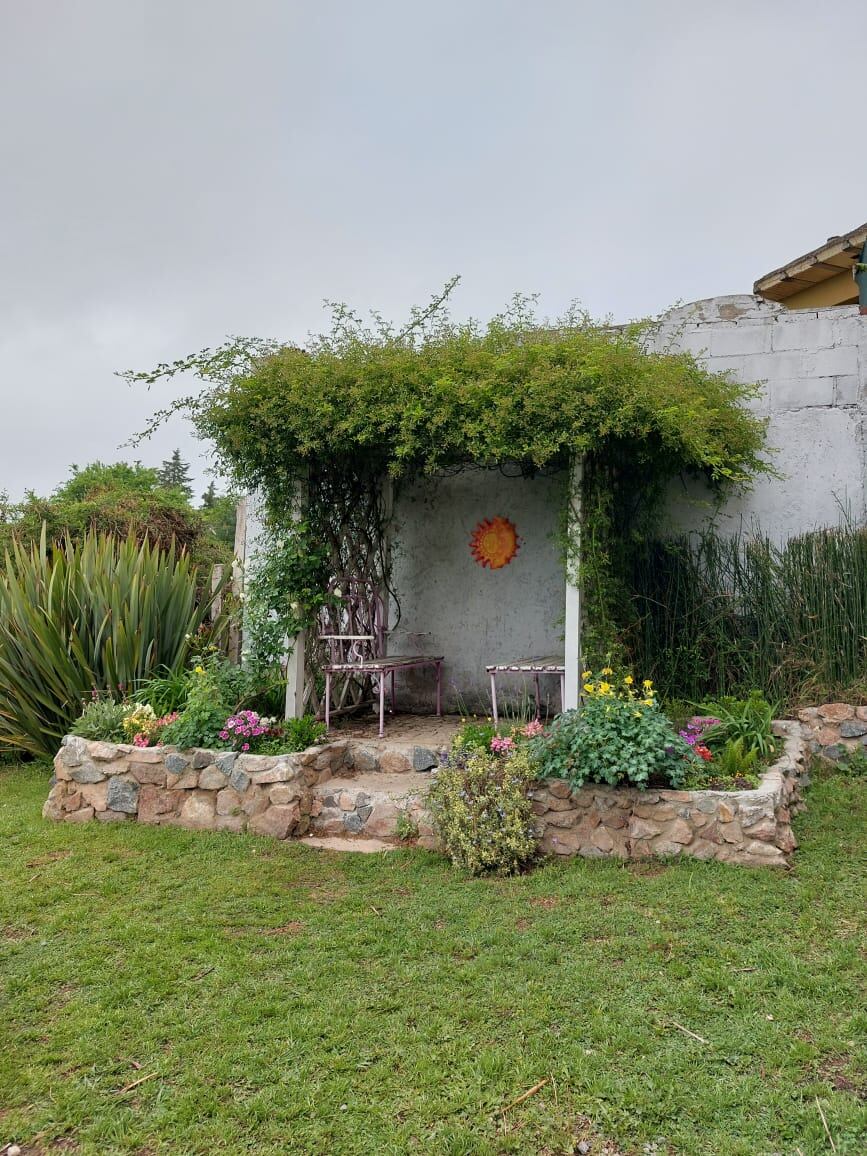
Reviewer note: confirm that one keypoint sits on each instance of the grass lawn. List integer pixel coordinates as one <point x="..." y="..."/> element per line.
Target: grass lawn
<point x="173" y="992"/>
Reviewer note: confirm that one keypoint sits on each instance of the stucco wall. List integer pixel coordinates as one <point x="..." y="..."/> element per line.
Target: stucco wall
<point x="450" y="605"/>
<point x="813" y="364"/>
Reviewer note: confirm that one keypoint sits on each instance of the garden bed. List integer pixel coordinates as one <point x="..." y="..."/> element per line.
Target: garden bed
<point x="356" y="788"/>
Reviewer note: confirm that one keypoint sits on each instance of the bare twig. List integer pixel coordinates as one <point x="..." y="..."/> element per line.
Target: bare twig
<point x="687" y="1032"/>
<point x="526" y="1096"/>
<point x="135" y="1083"/>
<point x="825" y="1126"/>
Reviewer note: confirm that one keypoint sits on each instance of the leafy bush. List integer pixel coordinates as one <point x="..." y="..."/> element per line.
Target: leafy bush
<point x="205" y="713"/>
<point x="618" y="736"/>
<point x="166" y="692"/>
<point x="300" y="733"/>
<point x="748" y="719"/>
<point x="101" y="720"/>
<point x="118" y="499"/>
<point x="97" y="614"/>
<point x="853" y="765"/>
<point x="734" y="768"/>
<point x="481" y="812"/>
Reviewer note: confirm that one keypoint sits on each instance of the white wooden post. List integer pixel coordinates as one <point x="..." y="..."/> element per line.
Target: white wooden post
<point x="295" y="662"/>
<point x="295" y="676"/>
<point x="387" y="509"/>
<point x="572" y="681"/>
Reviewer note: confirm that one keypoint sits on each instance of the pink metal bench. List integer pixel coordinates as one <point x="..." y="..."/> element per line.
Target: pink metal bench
<point x="535" y="667"/>
<point x="355" y="632"/>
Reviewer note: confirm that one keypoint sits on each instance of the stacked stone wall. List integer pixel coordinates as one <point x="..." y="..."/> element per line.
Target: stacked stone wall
<point x="350" y="789"/>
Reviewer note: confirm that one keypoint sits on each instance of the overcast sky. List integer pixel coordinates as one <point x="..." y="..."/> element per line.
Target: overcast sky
<point x="177" y="170"/>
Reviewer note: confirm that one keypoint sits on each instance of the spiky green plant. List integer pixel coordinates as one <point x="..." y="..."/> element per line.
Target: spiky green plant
<point x="99" y="614"/>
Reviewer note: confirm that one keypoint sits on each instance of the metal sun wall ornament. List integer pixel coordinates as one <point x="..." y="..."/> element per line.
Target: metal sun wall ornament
<point x="494" y="542"/>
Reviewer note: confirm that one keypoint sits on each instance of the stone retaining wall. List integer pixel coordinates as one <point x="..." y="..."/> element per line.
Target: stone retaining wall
<point x="834" y="730"/>
<point x="354" y="789"/>
<point x="749" y="827"/>
<point x="199" y="789"/>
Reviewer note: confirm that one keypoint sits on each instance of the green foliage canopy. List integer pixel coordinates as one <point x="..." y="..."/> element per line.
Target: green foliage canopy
<point x="440" y="394"/>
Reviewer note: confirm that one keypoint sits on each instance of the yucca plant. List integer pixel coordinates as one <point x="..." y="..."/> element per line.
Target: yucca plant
<point x="99" y="614"/>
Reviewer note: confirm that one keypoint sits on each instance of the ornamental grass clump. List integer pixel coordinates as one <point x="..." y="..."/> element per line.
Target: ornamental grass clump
<point x="481" y="812"/>
<point x="619" y="736"/>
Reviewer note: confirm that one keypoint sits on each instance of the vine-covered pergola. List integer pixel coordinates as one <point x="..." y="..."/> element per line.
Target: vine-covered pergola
<point x="332" y="433"/>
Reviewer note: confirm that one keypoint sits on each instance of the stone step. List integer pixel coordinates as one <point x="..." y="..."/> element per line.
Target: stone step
<point x="342" y="843"/>
<point x="372" y="805"/>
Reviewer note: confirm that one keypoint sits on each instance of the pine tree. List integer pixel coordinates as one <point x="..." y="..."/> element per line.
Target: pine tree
<point x="175" y="475"/>
<point x="209" y="497"/>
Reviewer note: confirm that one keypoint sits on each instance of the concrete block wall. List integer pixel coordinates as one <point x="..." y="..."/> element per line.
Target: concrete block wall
<point x="812" y="366"/>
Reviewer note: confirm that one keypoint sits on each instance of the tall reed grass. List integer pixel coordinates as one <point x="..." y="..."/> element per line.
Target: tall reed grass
<point x="714" y="614"/>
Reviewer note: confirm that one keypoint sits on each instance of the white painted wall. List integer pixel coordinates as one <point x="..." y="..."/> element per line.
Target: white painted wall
<point x="474" y="616"/>
<point x="813" y="366"/>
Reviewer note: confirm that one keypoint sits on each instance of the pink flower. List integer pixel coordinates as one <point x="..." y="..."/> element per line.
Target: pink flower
<point x="532" y="729"/>
<point x="245" y="747"/>
<point x="140" y="740"/>
<point x="502" y="746"/>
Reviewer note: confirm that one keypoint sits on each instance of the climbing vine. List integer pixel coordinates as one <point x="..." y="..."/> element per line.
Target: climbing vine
<point x="317" y="429"/>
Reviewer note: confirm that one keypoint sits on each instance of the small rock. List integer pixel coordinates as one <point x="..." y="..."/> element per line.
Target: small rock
<point x="352" y="823"/>
<point x="239" y="780"/>
<point x="850" y="729"/>
<point x="175" y="763"/>
<point x="87" y="773"/>
<point x="212" y="779"/>
<point x="835" y="712"/>
<point x="226" y="761"/>
<point x="364" y="812"/>
<point x="122" y="795"/>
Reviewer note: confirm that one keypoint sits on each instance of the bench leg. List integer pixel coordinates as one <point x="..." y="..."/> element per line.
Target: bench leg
<point x="327" y="698"/>
<point x="538" y="697"/>
<point x="562" y="693"/>
<point x="439" y="690"/>
<point x="494" y="699"/>
<point x="381" y="704"/>
<point x="393" y="705"/>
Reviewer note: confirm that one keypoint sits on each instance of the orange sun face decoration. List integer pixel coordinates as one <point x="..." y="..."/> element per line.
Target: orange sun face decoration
<point x="494" y="542"/>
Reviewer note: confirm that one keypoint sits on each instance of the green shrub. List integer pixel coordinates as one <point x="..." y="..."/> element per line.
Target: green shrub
<point x="406" y="827"/>
<point x="853" y="765"/>
<point x="734" y="768"/>
<point x="619" y="741"/>
<point x="481" y="811"/>
<point x="98" y="614"/>
<point x="101" y="719"/>
<point x="165" y="692"/>
<point x="747" y="719"/>
<point x="206" y="710"/>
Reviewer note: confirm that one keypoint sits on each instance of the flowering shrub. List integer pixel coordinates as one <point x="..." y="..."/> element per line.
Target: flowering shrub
<point x="481" y="812"/>
<point x="619" y="736"/>
<point x="243" y="730"/>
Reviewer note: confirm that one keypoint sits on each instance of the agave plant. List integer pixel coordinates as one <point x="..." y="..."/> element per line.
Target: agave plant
<point x="99" y="614"/>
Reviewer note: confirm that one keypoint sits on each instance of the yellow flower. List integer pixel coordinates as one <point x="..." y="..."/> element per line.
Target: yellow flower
<point x="647" y="701"/>
<point x="200" y="670"/>
<point x="606" y="670"/>
<point x="585" y="674"/>
<point x="629" y="680"/>
<point x="647" y="684"/>
<point x="604" y="687"/>
<point x="588" y="687"/>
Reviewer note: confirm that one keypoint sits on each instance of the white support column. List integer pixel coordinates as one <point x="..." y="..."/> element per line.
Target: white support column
<point x="295" y="676"/>
<point x="387" y="507"/>
<point x="572" y="681"/>
<point x="296" y="660"/>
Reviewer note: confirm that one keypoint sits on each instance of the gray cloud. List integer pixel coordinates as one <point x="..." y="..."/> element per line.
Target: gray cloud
<point x="175" y="171"/>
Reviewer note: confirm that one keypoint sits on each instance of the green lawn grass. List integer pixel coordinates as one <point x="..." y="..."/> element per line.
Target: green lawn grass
<point x="274" y="999"/>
